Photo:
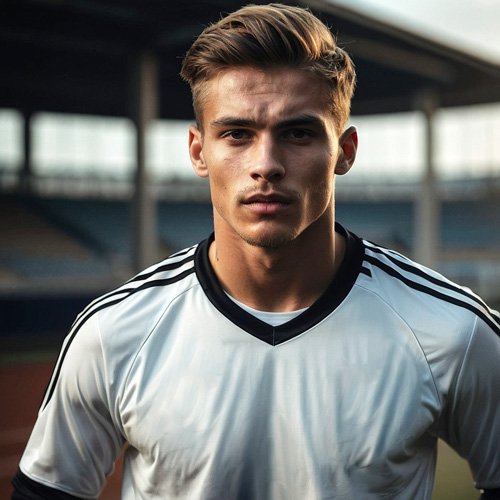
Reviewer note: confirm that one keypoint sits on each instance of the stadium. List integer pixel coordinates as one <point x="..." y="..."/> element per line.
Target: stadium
<point x="70" y="234"/>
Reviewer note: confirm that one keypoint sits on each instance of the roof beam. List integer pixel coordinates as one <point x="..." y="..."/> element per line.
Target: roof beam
<point x="402" y="60"/>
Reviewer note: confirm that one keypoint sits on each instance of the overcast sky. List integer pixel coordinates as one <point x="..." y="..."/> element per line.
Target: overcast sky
<point x="396" y="141"/>
<point x="471" y="25"/>
<point x="388" y="145"/>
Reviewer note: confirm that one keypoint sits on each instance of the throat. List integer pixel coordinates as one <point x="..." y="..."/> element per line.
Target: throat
<point x="275" y="283"/>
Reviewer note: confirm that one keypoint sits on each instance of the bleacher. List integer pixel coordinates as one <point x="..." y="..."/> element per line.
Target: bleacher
<point x="57" y="253"/>
<point x="101" y="224"/>
<point x="35" y="249"/>
<point x="389" y="223"/>
<point x="56" y="238"/>
<point x="46" y="241"/>
<point x="104" y="225"/>
<point x="468" y="227"/>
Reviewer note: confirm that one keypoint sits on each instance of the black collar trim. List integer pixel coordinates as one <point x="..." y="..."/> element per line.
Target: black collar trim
<point x="336" y="292"/>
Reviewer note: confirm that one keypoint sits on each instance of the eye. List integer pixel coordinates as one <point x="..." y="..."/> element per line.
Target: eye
<point x="298" y="134"/>
<point x="236" y="134"/>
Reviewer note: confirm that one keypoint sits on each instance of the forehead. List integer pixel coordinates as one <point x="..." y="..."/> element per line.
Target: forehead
<point x="257" y="93"/>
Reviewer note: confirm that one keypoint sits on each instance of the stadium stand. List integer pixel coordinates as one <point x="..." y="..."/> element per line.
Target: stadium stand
<point x="183" y="224"/>
<point x="58" y="253"/>
<point x="37" y="250"/>
<point x="388" y="223"/>
<point x="48" y="271"/>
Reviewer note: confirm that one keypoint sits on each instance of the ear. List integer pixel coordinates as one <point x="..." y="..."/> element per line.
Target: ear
<point x="196" y="152"/>
<point x="348" y="143"/>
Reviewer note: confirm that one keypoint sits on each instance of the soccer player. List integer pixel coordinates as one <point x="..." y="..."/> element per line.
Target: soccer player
<point x="284" y="357"/>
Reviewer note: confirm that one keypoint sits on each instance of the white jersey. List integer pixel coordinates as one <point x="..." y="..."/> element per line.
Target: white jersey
<point x="344" y="401"/>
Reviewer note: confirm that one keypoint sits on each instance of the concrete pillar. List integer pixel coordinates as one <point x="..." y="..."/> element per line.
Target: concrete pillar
<point x="427" y="205"/>
<point x="145" y="110"/>
<point x="26" y="172"/>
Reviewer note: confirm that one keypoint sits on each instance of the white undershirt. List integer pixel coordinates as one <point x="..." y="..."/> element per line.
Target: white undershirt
<point x="271" y="318"/>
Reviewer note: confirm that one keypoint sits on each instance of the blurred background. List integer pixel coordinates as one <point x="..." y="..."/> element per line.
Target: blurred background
<point x="96" y="183"/>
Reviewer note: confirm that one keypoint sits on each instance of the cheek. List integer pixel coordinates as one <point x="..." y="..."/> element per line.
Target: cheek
<point x="320" y="173"/>
<point x="222" y="183"/>
<point x="225" y="172"/>
<point x="319" y="185"/>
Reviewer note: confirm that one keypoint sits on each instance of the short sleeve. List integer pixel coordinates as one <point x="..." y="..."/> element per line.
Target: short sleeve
<point x="474" y="412"/>
<point x="75" y="442"/>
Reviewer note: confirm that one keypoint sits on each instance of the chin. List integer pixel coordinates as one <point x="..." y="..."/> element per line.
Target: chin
<point x="269" y="241"/>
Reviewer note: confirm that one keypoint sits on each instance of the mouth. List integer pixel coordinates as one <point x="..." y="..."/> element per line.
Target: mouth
<point x="267" y="204"/>
<point x="273" y="197"/>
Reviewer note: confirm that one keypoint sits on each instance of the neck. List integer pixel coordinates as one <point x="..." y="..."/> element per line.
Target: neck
<point x="288" y="278"/>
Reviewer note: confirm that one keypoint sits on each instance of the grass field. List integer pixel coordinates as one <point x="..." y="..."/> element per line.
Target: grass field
<point x="21" y="389"/>
<point x="453" y="478"/>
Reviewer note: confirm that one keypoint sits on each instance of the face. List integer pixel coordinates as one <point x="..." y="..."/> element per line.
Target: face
<point x="270" y="149"/>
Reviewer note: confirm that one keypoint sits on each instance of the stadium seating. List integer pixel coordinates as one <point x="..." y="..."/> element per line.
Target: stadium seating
<point x="58" y="253"/>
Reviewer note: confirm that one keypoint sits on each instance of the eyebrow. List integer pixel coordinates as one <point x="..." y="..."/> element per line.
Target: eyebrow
<point x="233" y="122"/>
<point x="294" y="121"/>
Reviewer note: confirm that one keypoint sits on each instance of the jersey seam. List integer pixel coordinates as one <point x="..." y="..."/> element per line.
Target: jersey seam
<point x="152" y="329"/>
<point x="456" y="379"/>
<point x="106" y="375"/>
<point x="413" y="335"/>
<point x="93" y="309"/>
<point x="458" y="375"/>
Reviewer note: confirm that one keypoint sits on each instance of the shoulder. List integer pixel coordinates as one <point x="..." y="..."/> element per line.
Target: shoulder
<point x="441" y="315"/>
<point x="107" y="334"/>
<point x="421" y="294"/>
<point x="449" y="323"/>
<point x="138" y="302"/>
<point x="117" y="323"/>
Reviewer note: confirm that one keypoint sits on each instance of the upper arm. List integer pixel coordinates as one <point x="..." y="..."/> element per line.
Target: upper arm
<point x="474" y="412"/>
<point x="75" y="440"/>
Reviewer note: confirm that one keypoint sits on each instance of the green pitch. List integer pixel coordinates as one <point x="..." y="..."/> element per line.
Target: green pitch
<point x="453" y="477"/>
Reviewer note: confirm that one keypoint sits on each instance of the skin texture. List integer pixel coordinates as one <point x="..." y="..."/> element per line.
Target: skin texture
<point x="271" y="149"/>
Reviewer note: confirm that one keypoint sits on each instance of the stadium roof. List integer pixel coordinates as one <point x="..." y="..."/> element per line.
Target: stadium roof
<point x="76" y="56"/>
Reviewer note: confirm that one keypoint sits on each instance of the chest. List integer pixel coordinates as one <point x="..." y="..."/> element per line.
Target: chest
<point x="207" y="400"/>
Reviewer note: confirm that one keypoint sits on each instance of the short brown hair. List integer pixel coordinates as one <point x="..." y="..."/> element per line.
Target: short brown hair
<point x="265" y="36"/>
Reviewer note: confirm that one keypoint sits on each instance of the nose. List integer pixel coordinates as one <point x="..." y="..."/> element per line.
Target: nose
<point x="266" y="163"/>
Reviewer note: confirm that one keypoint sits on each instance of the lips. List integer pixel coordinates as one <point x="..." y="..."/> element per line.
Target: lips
<point x="267" y="204"/>
<point x="267" y="198"/>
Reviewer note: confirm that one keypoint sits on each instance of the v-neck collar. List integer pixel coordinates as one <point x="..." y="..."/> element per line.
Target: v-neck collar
<point x="331" y="298"/>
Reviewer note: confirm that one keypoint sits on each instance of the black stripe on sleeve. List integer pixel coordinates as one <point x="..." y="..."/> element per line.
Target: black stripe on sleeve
<point x="27" y="489"/>
<point x="97" y="307"/>
<point x="366" y="271"/>
<point x="411" y="268"/>
<point x="435" y="293"/>
<point x="169" y="266"/>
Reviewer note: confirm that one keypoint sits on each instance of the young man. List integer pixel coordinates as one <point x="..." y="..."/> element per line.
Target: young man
<point x="284" y="357"/>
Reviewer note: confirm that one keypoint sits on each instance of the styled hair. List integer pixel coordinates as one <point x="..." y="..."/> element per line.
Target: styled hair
<point x="269" y="36"/>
